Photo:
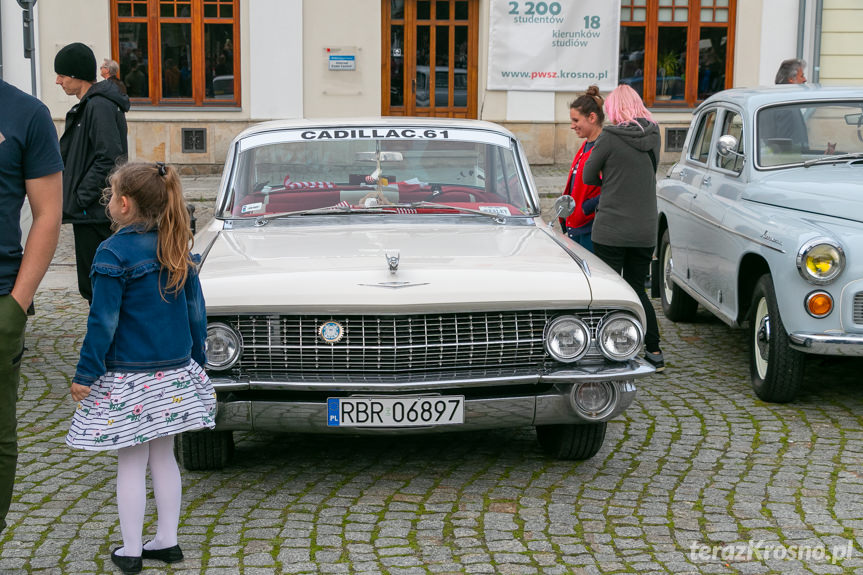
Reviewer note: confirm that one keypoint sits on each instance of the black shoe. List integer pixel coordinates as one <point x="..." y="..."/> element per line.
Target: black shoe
<point x="128" y="565"/>
<point x="656" y="360"/>
<point x="168" y="554"/>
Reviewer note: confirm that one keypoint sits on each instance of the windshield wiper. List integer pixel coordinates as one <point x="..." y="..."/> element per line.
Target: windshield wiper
<point x="834" y="158"/>
<point x="340" y="208"/>
<point x="424" y="204"/>
<point x="263" y="220"/>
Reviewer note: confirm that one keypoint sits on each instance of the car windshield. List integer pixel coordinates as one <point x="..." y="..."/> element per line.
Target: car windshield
<point x="374" y="170"/>
<point x="795" y="133"/>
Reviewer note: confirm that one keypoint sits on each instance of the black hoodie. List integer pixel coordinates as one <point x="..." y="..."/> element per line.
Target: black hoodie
<point x="626" y="215"/>
<point x="93" y="142"/>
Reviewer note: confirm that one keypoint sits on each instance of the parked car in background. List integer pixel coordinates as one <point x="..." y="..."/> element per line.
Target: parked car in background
<point x="761" y="223"/>
<point x="441" y="86"/>
<point x="223" y="87"/>
<point x="394" y="276"/>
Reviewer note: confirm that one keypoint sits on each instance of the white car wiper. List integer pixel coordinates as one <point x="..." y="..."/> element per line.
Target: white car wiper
<point x="834" y="158"/>
<point x="501" y="219"/>
<point x="342" y="208"/>
<point x="339" y="208"/>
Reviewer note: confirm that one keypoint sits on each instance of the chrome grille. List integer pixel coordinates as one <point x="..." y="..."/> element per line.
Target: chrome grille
<point x="858" y="308"/>
<point x="410" y="347"/>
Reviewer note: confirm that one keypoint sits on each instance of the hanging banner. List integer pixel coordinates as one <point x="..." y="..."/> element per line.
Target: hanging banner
<point x="559" y="46"/>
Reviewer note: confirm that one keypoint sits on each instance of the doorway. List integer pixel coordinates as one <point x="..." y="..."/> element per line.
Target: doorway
<point x="429" y="58"/>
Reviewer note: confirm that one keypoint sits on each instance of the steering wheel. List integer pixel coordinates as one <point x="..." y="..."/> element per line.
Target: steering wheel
<point x="436" y="193"/>
<point x="860" y="127"/>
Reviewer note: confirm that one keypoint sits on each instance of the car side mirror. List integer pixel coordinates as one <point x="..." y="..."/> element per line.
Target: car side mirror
<point x="727" y="146"/>
<point x="563" y="206"/>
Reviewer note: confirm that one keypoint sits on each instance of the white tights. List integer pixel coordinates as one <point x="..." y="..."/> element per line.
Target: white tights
<point x="132" y="493"/>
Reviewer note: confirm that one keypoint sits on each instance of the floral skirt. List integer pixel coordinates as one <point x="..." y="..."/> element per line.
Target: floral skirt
<point x="126" y="409"/>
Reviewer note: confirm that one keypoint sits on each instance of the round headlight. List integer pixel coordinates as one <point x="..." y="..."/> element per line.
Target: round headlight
<point x="594" y="399"/>
<point x="820" y="261"/>
<point x="567" y="338"/>
<point x="223" y="346"/>
<point x="619" y="336"/>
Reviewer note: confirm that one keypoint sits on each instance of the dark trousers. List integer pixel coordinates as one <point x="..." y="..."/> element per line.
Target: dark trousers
<point x="13" y="320"/>
<point x="87" y="239"/>
<point x="581" y="239"/>
<point x="634" y="265"/>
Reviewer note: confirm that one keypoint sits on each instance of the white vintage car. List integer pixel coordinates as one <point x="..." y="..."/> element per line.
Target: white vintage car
<point x="393" y="276"/>
<point x="759" y="223"/>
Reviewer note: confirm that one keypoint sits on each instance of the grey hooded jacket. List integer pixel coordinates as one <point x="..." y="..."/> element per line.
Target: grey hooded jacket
<point x="626" y="215"/>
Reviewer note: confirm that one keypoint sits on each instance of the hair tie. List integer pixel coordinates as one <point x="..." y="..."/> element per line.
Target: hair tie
<point x="163" y="171"/>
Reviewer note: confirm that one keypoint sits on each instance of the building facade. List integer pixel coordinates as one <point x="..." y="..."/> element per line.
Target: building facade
<point x="200" y="71"/>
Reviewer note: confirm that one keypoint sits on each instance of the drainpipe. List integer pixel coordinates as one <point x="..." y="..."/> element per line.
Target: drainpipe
<point x="816" y="58"/>
<point x="1" y="40"/>
<point x="801" y="27"/>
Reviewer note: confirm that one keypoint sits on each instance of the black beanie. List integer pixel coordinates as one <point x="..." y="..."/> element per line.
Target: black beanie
<point x="76" y="61"/>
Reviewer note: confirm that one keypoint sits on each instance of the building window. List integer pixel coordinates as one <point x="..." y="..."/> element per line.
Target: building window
<point x="676" y="52"/>
<point x="178" y="52"/>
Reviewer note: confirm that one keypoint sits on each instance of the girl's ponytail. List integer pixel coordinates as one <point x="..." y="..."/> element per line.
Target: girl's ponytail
<point x="175" y="234"/>
<point x="158" y="196"/>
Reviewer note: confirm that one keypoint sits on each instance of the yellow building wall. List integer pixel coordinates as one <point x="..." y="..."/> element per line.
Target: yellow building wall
<point x="842" y="42"/>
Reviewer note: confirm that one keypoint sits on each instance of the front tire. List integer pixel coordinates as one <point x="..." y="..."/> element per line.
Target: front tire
<point x="202" y="450"/>
<point x="571" y="441"/>
<point x="677" y="305"/>
<point x="775" y="368"/>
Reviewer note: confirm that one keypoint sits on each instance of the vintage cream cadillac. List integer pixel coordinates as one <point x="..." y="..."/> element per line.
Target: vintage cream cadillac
<point x="393" y="276"/>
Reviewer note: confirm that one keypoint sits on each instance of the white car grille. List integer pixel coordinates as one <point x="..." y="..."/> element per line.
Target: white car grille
<point x="858" y="308"/>
<point x="408" y="347"/>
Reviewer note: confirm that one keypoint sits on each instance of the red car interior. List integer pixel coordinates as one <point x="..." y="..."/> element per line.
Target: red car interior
<point x="321" y="194"/>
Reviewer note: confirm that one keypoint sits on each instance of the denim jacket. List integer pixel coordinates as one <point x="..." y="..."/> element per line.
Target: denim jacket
<point x="131" y="328"/>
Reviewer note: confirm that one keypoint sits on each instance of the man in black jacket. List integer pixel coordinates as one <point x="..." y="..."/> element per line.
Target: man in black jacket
<point x="94" y="141"/>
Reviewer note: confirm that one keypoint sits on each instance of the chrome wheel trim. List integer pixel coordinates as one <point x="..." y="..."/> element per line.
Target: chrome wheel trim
<point x="762" y="338"/>
<point x="667" y="266"/>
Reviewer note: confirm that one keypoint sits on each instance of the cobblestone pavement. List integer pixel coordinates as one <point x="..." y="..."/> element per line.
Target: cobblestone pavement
<point x="695" y="464"/>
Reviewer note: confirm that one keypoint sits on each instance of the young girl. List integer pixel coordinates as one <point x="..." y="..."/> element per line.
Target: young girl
<point x="139" y="380"/>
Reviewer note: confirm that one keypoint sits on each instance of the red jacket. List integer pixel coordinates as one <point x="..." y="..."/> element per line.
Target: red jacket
<point x="580" y="191"/>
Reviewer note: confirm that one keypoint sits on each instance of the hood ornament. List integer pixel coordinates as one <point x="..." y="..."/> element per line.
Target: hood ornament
<point x="392" y="260"/>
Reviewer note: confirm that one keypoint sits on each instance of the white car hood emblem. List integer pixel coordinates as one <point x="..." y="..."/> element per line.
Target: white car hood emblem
<point x="392" y="260"/>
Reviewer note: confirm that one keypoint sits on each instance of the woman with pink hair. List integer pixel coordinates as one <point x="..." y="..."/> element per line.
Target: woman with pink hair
<point x="623" y="162"/>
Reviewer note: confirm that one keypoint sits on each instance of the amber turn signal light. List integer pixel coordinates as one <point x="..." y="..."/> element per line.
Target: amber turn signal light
<point x="819" y="304"/>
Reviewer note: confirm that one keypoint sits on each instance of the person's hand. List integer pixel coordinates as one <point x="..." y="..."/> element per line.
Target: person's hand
<point x="831" y="148"/>
<point x="19" y="300"/>
<point x="79" y="391"/>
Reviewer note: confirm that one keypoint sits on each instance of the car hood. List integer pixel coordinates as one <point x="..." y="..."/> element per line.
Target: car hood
<point x="343" y="269"/>
<point x="835" y="191"/>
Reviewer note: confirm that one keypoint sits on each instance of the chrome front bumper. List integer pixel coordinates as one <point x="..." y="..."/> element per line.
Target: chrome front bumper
<point x="554" y="406"/>
<point x="828" y="344"/>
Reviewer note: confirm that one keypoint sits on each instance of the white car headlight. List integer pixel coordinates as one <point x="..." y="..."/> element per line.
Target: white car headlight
<point x="567" y="338"/>
<point x="619" y="336"/>
<point x="820" y="261"/>
<point x="223" y="346"/>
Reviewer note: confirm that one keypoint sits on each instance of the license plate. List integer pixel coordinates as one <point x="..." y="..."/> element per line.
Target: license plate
<point x="394" y="411"/>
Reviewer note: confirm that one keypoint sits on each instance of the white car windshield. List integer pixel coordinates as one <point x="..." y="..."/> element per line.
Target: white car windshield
<point x="795" y="133"/>
<point x="373" y="170"/>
